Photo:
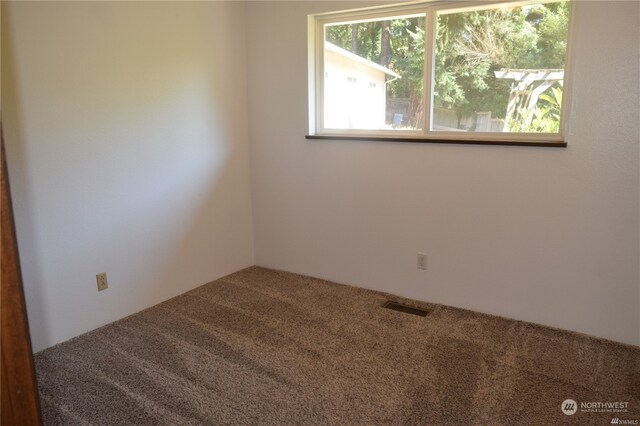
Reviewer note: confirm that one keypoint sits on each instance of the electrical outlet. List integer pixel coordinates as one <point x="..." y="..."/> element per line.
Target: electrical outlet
<point x="422" y="261"/>
<point x="101" y="278"/>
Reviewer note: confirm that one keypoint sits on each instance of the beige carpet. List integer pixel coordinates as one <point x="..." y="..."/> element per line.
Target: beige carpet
<point x="267" y="347"/>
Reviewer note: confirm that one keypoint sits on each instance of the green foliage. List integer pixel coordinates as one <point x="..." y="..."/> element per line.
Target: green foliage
<point x="410" y="64"/>
<point x="553" y="35"/>
<point x="544" y="119"/>
<point x="367" y="40"/>
<point x="470" y="47"/>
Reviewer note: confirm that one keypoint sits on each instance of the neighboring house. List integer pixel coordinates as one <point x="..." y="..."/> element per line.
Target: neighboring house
<point x="364" y="83"/>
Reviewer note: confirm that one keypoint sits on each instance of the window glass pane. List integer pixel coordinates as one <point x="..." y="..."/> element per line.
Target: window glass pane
<point x="500" y="69"/>
<point x="373" y="74"/>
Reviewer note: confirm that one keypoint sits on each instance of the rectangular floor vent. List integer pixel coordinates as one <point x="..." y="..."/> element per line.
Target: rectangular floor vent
<point x="406" y="309"/>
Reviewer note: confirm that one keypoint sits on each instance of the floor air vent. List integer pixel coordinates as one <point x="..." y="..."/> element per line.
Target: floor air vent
<point x="406" y="309"/>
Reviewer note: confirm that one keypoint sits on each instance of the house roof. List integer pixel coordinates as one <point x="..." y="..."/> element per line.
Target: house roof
<point x="340" y="51"/>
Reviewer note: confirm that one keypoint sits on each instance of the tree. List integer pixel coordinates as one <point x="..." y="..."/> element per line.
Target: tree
<point x="470" y="46"/>
<point x="385" y="44"/>
<point x="354" y="38"/>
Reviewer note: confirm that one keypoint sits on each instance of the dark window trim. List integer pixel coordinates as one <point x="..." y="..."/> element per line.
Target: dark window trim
<point x="562" y="144"/>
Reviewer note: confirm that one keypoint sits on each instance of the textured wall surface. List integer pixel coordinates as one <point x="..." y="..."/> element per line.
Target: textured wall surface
<point x="128" y="126"/>
<point x="126" y="132"/>
<point x="539" y="234"/>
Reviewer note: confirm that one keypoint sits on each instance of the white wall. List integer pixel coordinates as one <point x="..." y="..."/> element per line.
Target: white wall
<point x="126" y="133"/>
<point x="365" y="106"/>
<point x="539" y="234"/>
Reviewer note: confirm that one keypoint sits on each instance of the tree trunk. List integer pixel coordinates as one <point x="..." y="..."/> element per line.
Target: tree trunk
<point x="354" y="38"/>
<point x="385" y="44"/>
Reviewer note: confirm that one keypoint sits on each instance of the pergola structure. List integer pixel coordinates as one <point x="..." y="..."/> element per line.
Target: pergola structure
<point x="525" y="89"/>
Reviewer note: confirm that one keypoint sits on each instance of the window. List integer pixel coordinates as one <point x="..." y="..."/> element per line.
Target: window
<point x="442" y="72"/>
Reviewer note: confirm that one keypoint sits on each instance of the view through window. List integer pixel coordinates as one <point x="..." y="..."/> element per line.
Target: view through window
<point x="497" y="69"/>
<point x="373" y="73"/>
<point x="500" y="70"/>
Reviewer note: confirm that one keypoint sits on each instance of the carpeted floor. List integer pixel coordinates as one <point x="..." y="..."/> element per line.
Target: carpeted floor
<point x="267" y="347"/>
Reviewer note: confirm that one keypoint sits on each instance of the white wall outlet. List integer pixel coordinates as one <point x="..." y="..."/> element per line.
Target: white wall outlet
<point x="101" y="278"/>
<point x="422" y="261"/>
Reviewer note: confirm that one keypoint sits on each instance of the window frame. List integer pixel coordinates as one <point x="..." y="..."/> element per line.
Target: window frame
<point x="430" y="10"/>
